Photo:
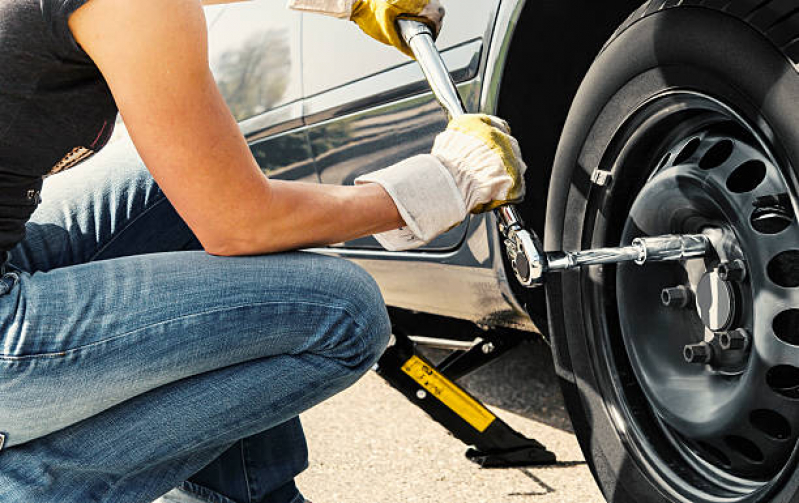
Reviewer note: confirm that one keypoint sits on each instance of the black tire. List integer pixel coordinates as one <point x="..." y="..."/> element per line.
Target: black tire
<point x="677" y="71"/>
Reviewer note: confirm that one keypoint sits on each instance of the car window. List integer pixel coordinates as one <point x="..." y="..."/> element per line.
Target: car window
<point x="255" y="55"/>
<point x="336" y="53"/>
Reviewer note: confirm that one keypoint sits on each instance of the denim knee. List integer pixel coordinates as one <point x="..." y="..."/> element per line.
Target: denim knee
<point x="360" y="292"/>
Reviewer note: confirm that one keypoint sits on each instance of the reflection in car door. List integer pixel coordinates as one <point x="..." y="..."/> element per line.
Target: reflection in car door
<point x="255" y="58"/>
<point x="365" y="103"/>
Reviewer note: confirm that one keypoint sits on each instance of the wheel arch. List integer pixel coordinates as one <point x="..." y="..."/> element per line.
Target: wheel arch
<point x="562" y="39"/>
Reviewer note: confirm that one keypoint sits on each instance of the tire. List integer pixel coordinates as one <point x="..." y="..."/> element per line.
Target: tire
<point x="693" y="109"/>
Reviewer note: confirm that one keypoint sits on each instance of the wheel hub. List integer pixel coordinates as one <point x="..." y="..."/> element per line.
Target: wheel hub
<point x="715" y="302"/>
<point x="710" y="364"/>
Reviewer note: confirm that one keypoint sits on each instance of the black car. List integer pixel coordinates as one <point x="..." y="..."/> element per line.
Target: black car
<point x="671" y="117"/>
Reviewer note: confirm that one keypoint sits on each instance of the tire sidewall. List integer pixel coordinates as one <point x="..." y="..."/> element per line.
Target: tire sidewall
<point x="692" y="48"/>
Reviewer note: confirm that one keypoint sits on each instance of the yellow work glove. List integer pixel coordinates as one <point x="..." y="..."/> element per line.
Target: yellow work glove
<point x="475" y="166"/>
<point x="484" y="159"/>
<point x="377" y="18"/>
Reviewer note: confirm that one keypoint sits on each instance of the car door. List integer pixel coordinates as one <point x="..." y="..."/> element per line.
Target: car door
<point x="367" y="105"/>
<point x="255" y="58"/>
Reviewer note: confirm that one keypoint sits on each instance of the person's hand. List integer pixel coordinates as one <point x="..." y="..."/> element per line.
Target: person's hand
<point x="377" y="18"/>
<point x="475" y="166"/>
<point x="484" y="159"/>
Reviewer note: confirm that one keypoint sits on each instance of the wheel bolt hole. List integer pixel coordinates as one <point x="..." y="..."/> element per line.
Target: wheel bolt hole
<point x="747" y="176"/>
<point x="716" y="155"/>
<point x="771" y="423"/>
<point x="786" y="326"/>
<point x="771" y="220"/>
<point x="687" y="151"/>
<point x="783" y="269"/>
<point x="784" y="380"/>
<point x="745" y="448"/>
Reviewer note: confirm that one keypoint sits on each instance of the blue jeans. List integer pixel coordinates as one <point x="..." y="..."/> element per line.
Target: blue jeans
<point x="131" y="361"/>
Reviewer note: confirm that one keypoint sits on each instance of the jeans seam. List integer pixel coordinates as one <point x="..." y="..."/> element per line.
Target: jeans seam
<point x="244" y="471"/>
<point x="60" y="354"/>
<point x="127" y="225"/>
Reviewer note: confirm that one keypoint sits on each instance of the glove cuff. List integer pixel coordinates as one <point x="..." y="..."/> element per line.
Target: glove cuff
<point x="427" y="199"/>
<point x="341" y="9"/>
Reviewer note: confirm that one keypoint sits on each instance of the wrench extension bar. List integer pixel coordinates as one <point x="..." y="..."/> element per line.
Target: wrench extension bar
<point x="642" y="250"/>
<point x="529" y="262"/>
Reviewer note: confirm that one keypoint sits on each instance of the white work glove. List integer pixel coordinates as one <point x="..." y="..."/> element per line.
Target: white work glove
<point x="377" y="18"/>
<point x="475" y="166"/>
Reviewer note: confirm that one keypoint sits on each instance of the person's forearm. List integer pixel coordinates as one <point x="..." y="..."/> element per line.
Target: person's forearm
<point x="301" y="215"/>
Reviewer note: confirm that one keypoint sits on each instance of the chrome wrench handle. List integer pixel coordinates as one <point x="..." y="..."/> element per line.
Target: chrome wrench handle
<point x="420" y="39"/>
<point x="523" y="247"/>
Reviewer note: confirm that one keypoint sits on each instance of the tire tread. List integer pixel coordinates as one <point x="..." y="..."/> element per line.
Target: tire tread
<point x="747" y="8"/>
<point x="777" y="20"/>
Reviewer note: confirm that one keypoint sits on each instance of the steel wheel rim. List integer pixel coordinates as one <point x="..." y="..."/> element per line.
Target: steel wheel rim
<point x="706" y="476"/>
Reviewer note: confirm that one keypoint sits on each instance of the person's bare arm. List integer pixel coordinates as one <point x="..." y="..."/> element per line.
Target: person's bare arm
<point x="153" y="53"/>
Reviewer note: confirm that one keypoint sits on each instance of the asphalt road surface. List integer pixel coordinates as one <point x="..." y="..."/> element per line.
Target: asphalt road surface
<point x="371" y="445"/>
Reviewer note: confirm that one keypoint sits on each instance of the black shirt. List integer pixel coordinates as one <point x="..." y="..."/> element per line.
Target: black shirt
<point x="55" y="107"/>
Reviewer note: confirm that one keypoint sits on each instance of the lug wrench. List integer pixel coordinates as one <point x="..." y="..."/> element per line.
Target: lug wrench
<point x="530" y="263"/>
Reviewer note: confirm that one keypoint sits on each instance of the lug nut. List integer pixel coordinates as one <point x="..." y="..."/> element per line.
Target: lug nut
<point x="734" y="270"/>
<point x="697" y="353"/>
<point x="736" y="339"/>
<point x="678" y="296"/>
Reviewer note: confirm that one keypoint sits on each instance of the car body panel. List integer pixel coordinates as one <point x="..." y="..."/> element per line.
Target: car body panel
<point x="466" y="283"/>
